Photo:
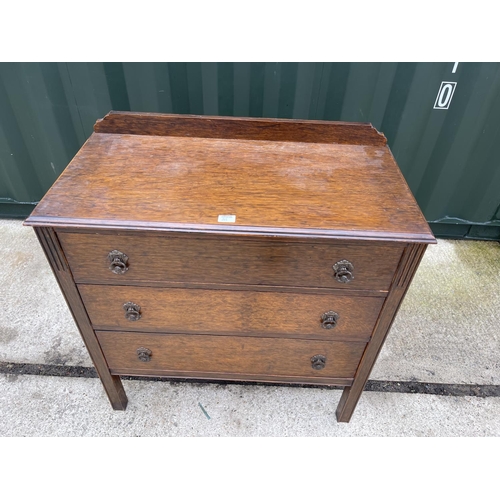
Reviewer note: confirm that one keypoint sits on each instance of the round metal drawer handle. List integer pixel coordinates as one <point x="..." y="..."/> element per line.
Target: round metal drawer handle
<point x="318" y="362"/>
<point x="343" y="271"/>
<point x="119" y="262"/>
<point x="132" y="311"/>
<point x="144" y="354"/>
<point x="329" y="319"/>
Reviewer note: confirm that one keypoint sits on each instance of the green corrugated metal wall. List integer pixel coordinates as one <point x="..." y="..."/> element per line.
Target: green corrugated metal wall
<point x="449" y="156"/>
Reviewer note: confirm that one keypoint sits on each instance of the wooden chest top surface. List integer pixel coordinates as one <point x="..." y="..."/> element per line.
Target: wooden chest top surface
<point x="182" y="179"/>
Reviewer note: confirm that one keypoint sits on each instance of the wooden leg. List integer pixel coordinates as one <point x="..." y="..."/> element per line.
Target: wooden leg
<point x="351" y="395"/>
<point x="347" y="404"/>
<point x="55" y="255"/>
<point x="408" y="265"/>
<point x="115" y="391"/>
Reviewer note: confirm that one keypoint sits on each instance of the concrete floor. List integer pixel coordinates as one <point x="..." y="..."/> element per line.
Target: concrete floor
<point x="446" y="332"/>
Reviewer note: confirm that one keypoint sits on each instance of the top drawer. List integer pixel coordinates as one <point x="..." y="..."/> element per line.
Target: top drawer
<point x="231" y="260"/>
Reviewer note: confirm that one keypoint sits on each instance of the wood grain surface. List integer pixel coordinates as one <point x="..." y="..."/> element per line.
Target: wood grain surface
<point x="230" y="312"/>
<point x="160" y="258"/>
<point x="220" y="127"/>
<point x="187" y="182"/>
<point x="233" y="355"/>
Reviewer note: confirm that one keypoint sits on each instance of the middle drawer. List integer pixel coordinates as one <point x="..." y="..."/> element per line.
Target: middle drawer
<point x="231" y="312"/>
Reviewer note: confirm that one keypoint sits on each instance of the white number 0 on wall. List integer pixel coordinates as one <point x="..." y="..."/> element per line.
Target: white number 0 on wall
<point x="445" y="95"/>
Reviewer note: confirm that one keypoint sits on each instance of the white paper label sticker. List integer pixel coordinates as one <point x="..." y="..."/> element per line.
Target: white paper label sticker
<point x="226" y="218"/>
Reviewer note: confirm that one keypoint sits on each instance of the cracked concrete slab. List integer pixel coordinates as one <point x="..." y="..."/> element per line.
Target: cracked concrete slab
<point x="54" y="406"/>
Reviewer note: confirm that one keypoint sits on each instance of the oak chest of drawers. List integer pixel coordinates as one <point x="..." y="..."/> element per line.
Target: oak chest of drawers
<point x="233" y="249"/>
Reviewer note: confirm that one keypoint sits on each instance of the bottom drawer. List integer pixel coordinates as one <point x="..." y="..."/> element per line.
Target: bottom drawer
<point x="232" y="358"/>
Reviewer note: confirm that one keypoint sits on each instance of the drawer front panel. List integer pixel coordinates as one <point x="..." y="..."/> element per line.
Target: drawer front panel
<point x="228" y="260"/>
<point x="224" y="354"/>
<point x="230" y="312"/>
